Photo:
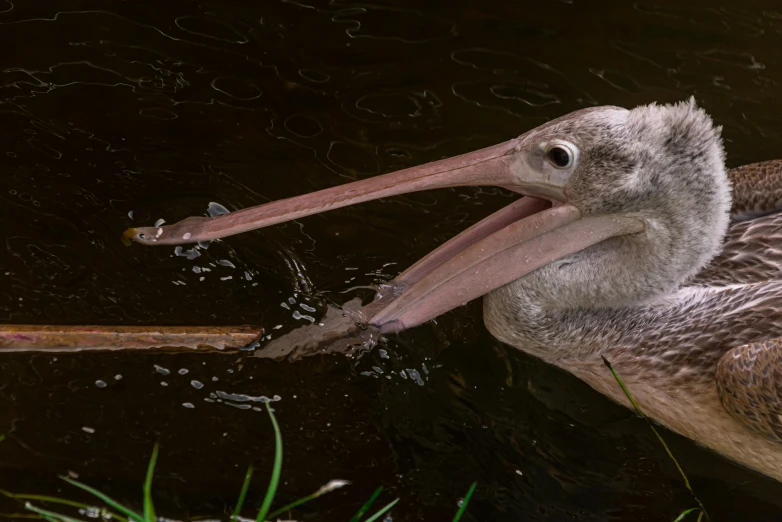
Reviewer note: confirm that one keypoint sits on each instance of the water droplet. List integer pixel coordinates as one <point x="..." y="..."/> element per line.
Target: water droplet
<point x="183" y="371"/>
<point x="196" y="384"/>
<point x="415" y="376"/>
<point x="118" y="377"/>
<point x="188" y="405"/>
<point x="100" y="384"/>
<point x="87" y="429"/>
<point x="161" y="370"/>
<point x="216" y="209"/>
<point x="186" y="235"/>
<point x="190" y="253"/>
<point x="159" y="222"/>
<point x="225" y="262"/>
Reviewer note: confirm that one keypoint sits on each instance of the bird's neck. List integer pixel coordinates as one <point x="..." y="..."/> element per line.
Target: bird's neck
<point x="680" y="336"/>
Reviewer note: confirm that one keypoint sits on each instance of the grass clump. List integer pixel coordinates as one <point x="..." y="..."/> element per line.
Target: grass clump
<point x="113" y="510"/>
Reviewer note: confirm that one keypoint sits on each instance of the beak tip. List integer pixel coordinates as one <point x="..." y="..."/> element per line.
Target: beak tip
<point x="128" y="236"/>
<point x="145" y="235"/>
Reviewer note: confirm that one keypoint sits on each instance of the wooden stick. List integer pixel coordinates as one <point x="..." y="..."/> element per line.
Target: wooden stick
<point x="49" y="338"/>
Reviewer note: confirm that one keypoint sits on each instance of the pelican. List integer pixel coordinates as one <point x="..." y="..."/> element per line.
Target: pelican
<point x="632" y="242"/>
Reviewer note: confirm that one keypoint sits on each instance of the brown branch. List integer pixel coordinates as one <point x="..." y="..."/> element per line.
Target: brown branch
<point x="49" y="338"/>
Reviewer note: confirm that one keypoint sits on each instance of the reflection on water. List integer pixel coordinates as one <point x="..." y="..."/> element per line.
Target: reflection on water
<point x="117" y="114"/>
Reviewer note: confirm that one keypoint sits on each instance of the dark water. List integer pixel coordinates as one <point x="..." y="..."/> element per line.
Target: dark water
<point x="159" y="108"/>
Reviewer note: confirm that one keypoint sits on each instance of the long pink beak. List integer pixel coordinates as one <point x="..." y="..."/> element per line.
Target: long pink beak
<point x="505" y="246"/>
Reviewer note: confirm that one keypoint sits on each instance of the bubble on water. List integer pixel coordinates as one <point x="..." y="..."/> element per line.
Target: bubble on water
<point x="216" y="209"/>
<point x="100" y="384"/>
<point x="332" y="485"/>
<point x="239" y="406"/>
<point x="241" y="397"/>
<point x="90" y="512"/>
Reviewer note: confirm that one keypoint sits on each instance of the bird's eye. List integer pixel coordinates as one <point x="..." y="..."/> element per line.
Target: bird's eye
<point x="560" y="156"/>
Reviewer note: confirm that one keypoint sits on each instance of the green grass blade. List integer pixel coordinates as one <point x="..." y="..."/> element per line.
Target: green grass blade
<point x="105" y="498"/>
<point x="57" y="500"/>
<point x="43" y="498"/>
<point x="149" y="507"/>
<point x="243" y="492"/>
<point x="659" y="437"/>
<point x="363" y="509"/>
<point x="382" y="511"/>
<point x="51" y="514"/>
<point x="275" y="478"/>
<point x="685" y="513"/>
<point x="466" y="500"/>
<point x="328" y="488"/>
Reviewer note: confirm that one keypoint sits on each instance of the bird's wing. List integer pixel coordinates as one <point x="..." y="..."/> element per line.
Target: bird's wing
<point x="752" y="252"/>
<point x="757" y="190"/>
<point x="749" y="382"/>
